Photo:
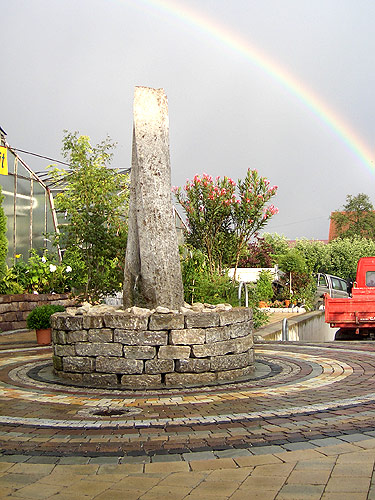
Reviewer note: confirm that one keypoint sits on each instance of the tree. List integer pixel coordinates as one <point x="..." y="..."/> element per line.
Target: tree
<point x="264" y="290"/>
<point x="220" y="223"/>
<point x="94" y="200"/>
<point x="208" y="206"/>
<point x="251" y="212"/>
<point x="3" y="239"/>
<point x="292" y="262"/>
<point x="278" y="242"/>
<point x="357" y="217"/>
<point x="316" y="254"/>
<point x="344" y="253"/>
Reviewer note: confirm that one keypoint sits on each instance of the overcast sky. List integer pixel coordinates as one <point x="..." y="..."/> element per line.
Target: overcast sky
<point x="73" y="64"/>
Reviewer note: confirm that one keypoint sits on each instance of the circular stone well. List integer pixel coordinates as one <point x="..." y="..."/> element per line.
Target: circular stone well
<point x="140" y="348"/>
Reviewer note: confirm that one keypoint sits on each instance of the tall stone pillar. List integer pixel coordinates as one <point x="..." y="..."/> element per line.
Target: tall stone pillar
<point x="152" y="265"/>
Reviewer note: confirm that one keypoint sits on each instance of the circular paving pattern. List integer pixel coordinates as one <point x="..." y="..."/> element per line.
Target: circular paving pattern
<point x="299" y="393"/>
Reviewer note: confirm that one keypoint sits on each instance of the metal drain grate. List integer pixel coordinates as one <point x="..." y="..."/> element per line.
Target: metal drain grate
<point x="111" y="412"/>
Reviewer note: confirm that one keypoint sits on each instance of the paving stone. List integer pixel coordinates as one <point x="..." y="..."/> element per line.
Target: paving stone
<point x="300" y="492"/>
<point x="353" y="438"/>
<point x="302" y="445"/>
<point x="326" y="442"/>
<point x="44" y="459"/>
<point x="233" y="453"/>
<point x="348" y="485"/>
<point x="104" y="460"/>
<point x="263" y="450"/>
<point x="14" y="458"/>
<point x="204" y="455"/>
<point x="73" y="460"/>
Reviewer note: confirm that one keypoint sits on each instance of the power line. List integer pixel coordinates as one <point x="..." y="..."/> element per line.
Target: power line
<point x="300" y="221"/>
<point x="40" y="156"/>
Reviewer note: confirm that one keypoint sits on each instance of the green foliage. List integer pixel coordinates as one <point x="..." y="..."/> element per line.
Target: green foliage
<point x="201" y="285"/>
<point x="264" y="290"/>
<point x="8" y="284"/>
<point x="221" y="224"/>
<point x="304" y="288"/>
<point x="251" y="212"/>
<point x="41" y="274"/>
<point x="301" y="283"/>
<point x="258" y="253"/>
<point x="292" y="261"/>
<point x="278" y="242"/>
<point x="39" y="318"/>
<point x="3" y="239"/>
<point x="357" y="218"/>
<point x="343" y="255"/>
<point x="95" y="201"/>
<point x="315" y="253"/>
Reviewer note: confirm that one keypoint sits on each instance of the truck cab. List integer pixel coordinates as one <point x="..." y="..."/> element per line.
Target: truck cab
<point x="365" y="279"/>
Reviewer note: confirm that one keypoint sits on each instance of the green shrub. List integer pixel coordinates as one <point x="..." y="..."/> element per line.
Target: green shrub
<point x="200" y="285"/>
<point x="3" y="239"/>
<point x="203" y="285"/>
<point x="264" y="290"/>
<point x="42" y="274"/>
<point x="8" y="284"/>
<point x="39" y="317"/>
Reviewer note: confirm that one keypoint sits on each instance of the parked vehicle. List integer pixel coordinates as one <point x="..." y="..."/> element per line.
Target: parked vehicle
<point x="332" y="285"/>
<point x="355" y="315"/>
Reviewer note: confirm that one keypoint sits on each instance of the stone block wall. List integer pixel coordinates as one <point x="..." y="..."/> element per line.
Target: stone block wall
<point x="15" y="308"/>
<point x="151" y="349"/>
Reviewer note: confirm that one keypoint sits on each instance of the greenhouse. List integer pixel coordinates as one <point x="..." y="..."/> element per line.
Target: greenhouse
<point x="28" y="205"/>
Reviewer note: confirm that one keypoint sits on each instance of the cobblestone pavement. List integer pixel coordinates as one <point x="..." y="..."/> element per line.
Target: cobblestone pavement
<point x="302" y="427"/>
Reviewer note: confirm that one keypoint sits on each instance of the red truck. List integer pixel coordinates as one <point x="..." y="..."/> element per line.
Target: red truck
<point x="355" y="315"/>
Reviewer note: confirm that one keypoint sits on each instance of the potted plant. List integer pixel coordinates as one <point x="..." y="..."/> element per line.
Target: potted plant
<point x="39" y="320"/>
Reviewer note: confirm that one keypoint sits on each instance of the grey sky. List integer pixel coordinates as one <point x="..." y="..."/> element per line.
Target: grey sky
<point x="73" y="64"/>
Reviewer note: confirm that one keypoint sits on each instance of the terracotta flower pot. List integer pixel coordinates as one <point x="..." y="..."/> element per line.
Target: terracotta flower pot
<point x="43" y="336"/>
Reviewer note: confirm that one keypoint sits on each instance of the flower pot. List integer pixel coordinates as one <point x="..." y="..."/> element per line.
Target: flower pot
<point x="43" y="336"/>
<point x="262" y="303"/>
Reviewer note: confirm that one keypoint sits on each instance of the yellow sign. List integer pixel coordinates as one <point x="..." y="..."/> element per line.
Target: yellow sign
<point x="3" y="161"/>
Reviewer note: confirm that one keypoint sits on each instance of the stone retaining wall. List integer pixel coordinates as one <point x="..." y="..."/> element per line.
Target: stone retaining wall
<point x="15" y="308"/>
<point x="152" y="349"/>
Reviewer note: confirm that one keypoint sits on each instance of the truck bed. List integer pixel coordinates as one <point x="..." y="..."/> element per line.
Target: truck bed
<point x="353" y="312"/>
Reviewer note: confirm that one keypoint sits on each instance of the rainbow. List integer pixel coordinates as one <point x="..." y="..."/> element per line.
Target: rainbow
<point x="290" y="82"/>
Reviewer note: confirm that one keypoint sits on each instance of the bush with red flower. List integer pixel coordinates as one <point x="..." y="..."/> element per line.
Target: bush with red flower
<point x="223" y="215"/>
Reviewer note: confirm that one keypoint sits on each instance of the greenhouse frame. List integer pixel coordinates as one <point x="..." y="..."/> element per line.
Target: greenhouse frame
<point x="28" y="206"/>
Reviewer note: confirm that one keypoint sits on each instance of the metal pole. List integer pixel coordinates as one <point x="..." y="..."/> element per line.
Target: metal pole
<point x="285" y="330"/>
<point x="243" y="283"/>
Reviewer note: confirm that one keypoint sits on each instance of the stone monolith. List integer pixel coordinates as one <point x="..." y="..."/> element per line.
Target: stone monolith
<point x="152" y="265"/>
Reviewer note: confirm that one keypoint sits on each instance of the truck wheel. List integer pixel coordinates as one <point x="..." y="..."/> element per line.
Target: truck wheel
<point x="346" y="334"/>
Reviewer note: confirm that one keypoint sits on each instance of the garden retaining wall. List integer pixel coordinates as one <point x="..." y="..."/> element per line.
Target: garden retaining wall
<point x="151" y="349"/>
<point x="15" y="308"/>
